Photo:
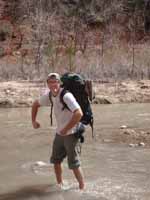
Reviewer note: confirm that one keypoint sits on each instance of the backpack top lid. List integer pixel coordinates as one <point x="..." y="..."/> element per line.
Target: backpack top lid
<point x="70" y="77"/>
<point x="76" y="83"/>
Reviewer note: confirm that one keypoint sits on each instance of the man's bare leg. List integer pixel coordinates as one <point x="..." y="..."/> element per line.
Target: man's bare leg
<point x="58" y="173"/>
<point x="79" y="176"/>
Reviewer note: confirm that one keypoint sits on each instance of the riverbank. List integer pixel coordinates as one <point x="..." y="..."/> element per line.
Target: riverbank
<point x="23" y="93"/>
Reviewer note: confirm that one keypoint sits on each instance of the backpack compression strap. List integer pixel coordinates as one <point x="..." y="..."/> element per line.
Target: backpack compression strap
<point x="51" y="113"/>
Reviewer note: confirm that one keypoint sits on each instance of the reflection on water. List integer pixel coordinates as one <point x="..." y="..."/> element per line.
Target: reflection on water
<point x="112" y="172"/>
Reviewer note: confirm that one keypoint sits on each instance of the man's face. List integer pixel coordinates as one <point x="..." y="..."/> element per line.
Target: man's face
<point x="53" y="85"/>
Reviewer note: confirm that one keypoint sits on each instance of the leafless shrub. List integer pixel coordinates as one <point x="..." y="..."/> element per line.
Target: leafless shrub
<point x="107" y="50"/>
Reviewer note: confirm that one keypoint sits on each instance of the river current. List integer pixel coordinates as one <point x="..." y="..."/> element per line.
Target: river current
<point x="112" y="171"/>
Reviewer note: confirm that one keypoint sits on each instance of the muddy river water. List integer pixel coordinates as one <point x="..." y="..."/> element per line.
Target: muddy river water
<point x="112" y="171"/>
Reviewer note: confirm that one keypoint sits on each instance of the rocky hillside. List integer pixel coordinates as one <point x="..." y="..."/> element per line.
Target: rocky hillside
<point x="107" y="39"/>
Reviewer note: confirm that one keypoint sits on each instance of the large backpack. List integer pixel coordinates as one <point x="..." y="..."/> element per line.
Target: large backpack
<point x="82" y="91"/>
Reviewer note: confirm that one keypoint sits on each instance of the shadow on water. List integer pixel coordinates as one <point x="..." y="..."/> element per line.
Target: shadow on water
<point x="27" y="192"/>
<point x="47" y="191"/>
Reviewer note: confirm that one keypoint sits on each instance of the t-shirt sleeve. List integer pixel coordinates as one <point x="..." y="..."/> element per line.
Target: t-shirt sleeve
<point x="44" y="100"/>
<point x="71" y="102"/>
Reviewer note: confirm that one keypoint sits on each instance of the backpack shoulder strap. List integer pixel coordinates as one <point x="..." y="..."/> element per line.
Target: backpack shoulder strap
<point x="63" y="92"/>
<point x="51" y="113"/>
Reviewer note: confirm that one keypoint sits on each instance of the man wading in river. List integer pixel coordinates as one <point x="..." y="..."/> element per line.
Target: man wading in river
<point x="64" y="144"/>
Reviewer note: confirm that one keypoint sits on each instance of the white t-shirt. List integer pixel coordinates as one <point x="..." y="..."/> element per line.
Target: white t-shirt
<point x="62" y="116"/>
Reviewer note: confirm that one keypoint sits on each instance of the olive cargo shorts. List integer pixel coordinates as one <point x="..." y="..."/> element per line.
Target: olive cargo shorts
<point x="65" y="146"/>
